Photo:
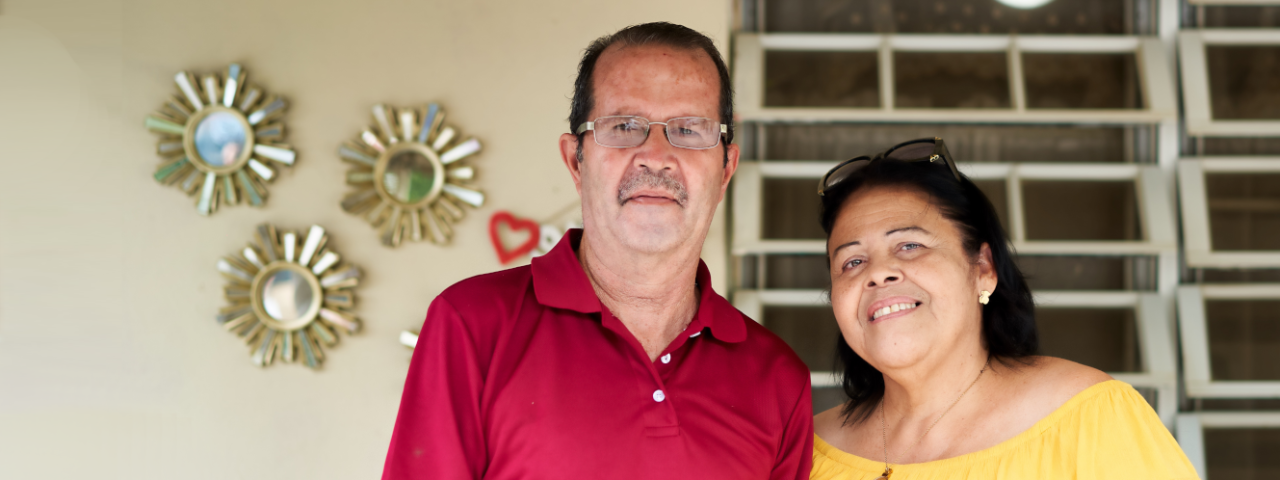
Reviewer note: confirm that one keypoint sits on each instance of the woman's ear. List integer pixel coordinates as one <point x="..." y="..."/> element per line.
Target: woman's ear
<point x="987" y="278"/>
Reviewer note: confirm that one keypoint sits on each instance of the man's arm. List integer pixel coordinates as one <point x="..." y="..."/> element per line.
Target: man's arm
<point x="795" y="454"/>
<point x="438" y="432"/>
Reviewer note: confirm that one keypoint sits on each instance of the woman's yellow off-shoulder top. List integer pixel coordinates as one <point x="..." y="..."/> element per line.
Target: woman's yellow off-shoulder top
<point x="1107" y="431"/>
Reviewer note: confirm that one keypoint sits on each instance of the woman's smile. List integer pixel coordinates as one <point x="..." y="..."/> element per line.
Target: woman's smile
<point x="892" y="307"/>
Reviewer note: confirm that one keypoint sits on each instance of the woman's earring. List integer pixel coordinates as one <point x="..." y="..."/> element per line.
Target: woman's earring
<point x="984" y="297"/>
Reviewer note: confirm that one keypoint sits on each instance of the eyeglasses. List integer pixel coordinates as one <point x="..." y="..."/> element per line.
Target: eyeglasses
<point x="626" y="131"/>
<point x="930" y="149"/>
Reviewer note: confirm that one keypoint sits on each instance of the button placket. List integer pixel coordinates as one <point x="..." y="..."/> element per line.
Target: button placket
<point x="659" y="414"/>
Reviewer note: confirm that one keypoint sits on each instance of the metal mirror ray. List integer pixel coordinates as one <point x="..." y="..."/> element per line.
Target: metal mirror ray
<point x="412" y="175"/>
<point x="220" y="139"/>
<point x="288" y="296"/>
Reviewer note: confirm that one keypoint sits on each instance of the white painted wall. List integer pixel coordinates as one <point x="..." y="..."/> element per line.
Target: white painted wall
<point x="111" y="365"/>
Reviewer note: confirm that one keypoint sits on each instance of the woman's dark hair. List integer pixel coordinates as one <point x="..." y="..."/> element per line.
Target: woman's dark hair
<point x="655" y="33"/>
<point x="1008" y="321"/>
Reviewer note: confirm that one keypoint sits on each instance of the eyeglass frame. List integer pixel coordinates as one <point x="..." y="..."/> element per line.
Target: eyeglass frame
<point x="939" y="152"/>
<point x="591" y="126"/>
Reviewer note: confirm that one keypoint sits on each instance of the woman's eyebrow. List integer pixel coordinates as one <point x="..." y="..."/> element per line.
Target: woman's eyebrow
<point x="906" y="229"/>
<point x="850" y="244"/>
<point x="890" y="232"/>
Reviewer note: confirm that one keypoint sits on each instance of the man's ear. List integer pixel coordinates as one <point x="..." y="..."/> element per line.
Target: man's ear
<point x="732" y="152"/>
<point x="569" y="154"/>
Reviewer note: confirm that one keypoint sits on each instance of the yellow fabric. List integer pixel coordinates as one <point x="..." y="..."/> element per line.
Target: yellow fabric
<point x="1108" y="431"/>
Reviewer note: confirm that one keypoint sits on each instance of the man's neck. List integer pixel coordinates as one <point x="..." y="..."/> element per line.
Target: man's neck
<point x="654" y="295"/>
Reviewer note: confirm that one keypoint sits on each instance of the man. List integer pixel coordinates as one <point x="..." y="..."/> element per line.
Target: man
<point x="611" y="357"/>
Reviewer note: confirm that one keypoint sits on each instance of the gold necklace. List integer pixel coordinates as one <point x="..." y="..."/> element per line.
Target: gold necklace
<point x="884" y="429"/>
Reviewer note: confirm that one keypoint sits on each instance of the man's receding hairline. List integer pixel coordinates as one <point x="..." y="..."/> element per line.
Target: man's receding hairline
<point x="697" y="52"/>
<point x="624" y="43"/>
<point x="595" y="79"/>
<point x="677" y="37"/>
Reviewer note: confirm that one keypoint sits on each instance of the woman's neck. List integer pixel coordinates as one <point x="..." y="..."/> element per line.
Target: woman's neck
<point x="919" y="394"/>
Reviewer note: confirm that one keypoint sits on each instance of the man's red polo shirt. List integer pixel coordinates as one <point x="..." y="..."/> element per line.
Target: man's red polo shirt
<point x="523" y="374"/>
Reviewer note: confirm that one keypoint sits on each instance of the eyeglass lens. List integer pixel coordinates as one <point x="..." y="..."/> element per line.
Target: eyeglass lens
<point x="630" y="131"/>
<point x="912" y="151"/>
<point x="844" y="172"/>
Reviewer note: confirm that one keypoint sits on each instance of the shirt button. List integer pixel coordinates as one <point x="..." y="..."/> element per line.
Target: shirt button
<point x="666" y="358"/>
<point x="695" y="334"/>
<point x="658" y="396"/>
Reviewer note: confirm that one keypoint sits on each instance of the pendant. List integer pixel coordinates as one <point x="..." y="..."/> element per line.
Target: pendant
<point x="885" y="476"/>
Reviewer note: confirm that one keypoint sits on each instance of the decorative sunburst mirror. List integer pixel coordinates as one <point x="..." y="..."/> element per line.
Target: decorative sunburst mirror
<point x="218" y="139"/>
<point x="411" y="175"/>
<point x="286" y="299"/>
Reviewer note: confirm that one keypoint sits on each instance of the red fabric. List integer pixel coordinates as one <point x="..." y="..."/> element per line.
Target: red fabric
<point x="522" y="374"/>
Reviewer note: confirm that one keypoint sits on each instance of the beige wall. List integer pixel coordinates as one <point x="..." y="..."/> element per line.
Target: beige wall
<point x="111" y="365"/>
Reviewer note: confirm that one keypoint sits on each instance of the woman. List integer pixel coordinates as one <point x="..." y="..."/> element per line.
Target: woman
<point x="938" y="344"/>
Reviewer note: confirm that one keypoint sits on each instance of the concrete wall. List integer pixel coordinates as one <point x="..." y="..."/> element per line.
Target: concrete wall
<point x="111" y="365"/>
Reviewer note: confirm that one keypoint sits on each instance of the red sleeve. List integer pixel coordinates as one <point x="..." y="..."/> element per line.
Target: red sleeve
<point x="795" y="454"/>
<point x="438" y="430"/>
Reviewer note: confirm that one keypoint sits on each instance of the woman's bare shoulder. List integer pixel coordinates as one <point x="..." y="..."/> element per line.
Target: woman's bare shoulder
<point x="1050" y="382"/>
<point x="829" y="425"/>
<point x="1068" y="377"/>
<point x="1026" y="391"/>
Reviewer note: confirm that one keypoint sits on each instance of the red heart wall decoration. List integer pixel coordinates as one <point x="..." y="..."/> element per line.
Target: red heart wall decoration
<point x="515" y="224"/>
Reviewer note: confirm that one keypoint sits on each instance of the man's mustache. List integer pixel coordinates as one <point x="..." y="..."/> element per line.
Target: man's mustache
<point x="644" y="178"/>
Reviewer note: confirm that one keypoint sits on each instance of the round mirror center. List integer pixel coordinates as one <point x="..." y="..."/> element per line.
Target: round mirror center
<point x="409" y="176"/>
<point x="286" y="295"/>
<point x="220" y="139"/>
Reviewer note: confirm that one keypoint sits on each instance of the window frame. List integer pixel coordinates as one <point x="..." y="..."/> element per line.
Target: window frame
<point x="1193" y="193"/>
<point x="1154" y="72"/>
<point x="1233" y="3"/>
<point x="1156" y="215"/>
<point x="1155" y="339"/>
<point x="1197" y="370"/>
<point x="1190" y="430"/>
<point x="1196" y="99"/>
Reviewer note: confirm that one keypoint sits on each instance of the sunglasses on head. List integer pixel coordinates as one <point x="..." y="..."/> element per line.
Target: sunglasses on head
<point x="932" y="150"/>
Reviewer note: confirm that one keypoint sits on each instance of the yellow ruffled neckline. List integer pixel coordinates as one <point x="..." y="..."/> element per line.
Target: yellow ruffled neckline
<point x="853" y="461"/>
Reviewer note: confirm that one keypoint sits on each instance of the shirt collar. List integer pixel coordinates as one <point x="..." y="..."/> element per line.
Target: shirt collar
<point x="559" y="282"/>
